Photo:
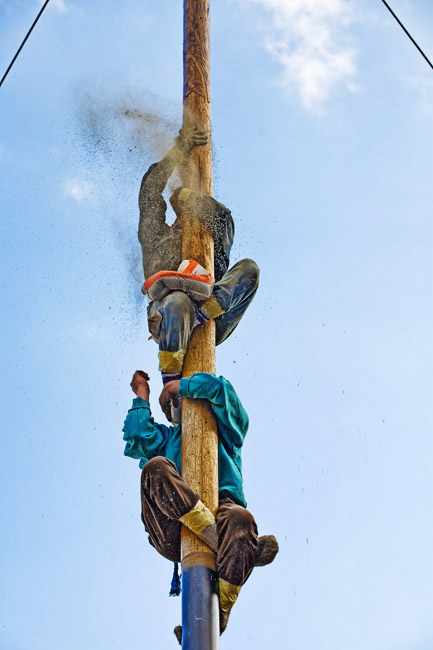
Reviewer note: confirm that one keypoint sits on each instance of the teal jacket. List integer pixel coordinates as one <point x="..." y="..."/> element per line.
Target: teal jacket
<point x="146" y="439"/>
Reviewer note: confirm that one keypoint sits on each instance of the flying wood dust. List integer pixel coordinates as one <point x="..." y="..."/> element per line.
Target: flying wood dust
<point x="123" y="133"/>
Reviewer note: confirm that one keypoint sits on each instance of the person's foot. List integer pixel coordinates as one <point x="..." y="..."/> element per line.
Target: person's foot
<point x="266" y="552"/>
<point x="268" y="548"/>
<point x="178" y="633"/>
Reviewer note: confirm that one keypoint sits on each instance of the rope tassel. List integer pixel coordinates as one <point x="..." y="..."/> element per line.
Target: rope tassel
<point x="175" y="587"/>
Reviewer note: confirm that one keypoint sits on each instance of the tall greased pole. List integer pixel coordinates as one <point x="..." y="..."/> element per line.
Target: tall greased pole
<point x="200" y="617"/>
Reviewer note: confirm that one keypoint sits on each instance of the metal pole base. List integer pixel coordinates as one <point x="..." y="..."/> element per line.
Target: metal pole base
<point x="200" y="609"/>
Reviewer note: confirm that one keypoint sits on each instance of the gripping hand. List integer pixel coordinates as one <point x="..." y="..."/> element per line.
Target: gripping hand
<point x="139" y="384"/>
<point x="170" y="393"/>
<point x="190" y="138"/>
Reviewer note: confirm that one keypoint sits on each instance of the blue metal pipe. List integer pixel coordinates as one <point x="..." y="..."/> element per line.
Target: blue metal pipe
<point x="200" y="610"/>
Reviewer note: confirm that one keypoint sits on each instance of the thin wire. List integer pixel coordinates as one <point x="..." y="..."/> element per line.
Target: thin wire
<point x="22" y="44"/>
<point x="406" y="32"/>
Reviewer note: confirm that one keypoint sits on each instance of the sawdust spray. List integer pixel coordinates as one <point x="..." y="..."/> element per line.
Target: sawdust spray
<point x="123" y="132"/>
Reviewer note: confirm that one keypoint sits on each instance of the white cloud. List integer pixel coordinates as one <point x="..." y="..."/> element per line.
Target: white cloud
<point x="309" y="39"/>
<point x="79" y="189"/>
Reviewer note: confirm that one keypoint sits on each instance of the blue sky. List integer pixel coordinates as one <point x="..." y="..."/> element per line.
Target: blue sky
<point x="322" y="128"/>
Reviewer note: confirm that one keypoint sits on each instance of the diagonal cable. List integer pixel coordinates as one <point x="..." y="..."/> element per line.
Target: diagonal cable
<point x="407" y="33"/>
<point x="22" y="44"/>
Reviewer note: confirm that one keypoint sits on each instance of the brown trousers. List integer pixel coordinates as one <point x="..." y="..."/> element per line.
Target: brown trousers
<point x="165" y="497"/>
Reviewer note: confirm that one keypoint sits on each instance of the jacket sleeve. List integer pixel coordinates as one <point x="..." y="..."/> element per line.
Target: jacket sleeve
<point x="144" y="437"/>
<point x="150" y="200"/>
<point x="224" y="402"/>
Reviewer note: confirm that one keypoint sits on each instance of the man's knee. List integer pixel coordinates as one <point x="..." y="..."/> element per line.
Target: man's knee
<point x="241" y="517"/>
<point x="157" y="466"/>
<point x="238" y="519"/>
<point x="169" y="316"/>
<point x="177" y="303"/>
<point x="177" y="321"/>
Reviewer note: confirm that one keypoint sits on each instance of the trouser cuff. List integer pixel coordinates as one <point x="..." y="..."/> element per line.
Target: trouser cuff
<point x="228" y="594"/>
<point x="198" y="518"/>
<point x="211" y="308"/>
<point x="171" y="362"/>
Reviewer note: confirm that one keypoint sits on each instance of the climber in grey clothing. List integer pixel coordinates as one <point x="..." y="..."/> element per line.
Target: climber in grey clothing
<point x="172" y="318"/>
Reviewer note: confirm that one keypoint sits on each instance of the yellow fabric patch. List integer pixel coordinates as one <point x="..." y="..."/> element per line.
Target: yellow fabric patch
<point x="228" y="594"/>
<point x="211" y="308"/>
<point x="198" y="518"/>
<point x="171" y="361"/>
<point x="184" y="194"/>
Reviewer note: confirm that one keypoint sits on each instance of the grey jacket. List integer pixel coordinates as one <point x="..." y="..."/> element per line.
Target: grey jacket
<point x="161" y="244"/>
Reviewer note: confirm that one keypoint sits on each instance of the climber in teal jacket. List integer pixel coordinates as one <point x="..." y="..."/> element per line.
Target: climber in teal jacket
<point x="168" y="501"/>
<point x="146" y="439"/>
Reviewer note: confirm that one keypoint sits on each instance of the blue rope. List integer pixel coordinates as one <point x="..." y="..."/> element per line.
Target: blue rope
<point x="175" y="587"/>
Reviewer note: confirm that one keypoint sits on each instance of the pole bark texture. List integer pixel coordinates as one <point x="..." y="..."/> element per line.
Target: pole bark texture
<point x="199" y="431"/>
<point x="199" y="435"/>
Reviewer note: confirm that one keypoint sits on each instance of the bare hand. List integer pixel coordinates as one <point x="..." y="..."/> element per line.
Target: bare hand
<point x="139" y="384"/>
<point x="190" y="138"/>
<point x="170" y="393"/>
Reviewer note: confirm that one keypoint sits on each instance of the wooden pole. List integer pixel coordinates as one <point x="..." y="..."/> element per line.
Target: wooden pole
<point x="200" y="619"/>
